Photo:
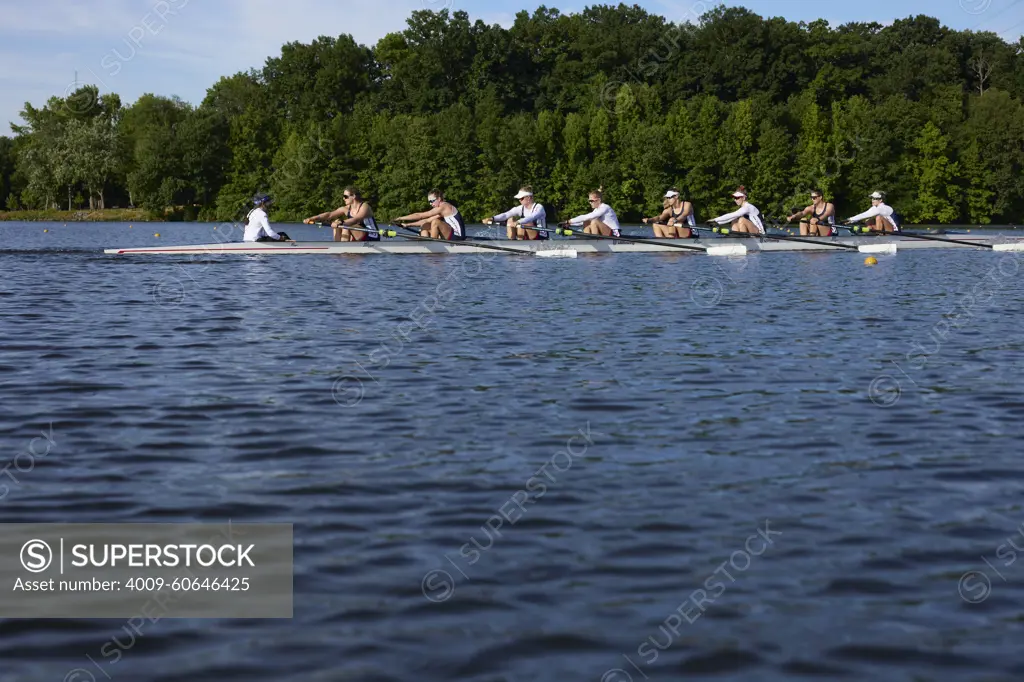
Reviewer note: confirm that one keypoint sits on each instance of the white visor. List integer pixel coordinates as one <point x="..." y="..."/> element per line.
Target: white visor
<point x="738" y="194"/>
<point x="669" y="194"/>
<point x="877" y="195"/>
<point x="523" y="194"/>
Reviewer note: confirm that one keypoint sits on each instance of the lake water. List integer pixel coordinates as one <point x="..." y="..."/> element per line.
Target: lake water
<point x="504" y="469"/>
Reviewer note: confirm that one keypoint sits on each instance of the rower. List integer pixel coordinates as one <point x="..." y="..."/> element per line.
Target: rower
<point x="880" y="217"/>
<point x="822" y="221"/>
<point x="355" y="213"/>
<point x="442" y="221"/>
<point x="676" y="221"/>
<point x="601" y="219"/>
<point x="257" y="226"/>
<point x="528" y="213"/>
<point x="747" y="218"/>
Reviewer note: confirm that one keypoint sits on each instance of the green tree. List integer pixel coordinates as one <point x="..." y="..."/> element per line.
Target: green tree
<point x="935" y="177"/>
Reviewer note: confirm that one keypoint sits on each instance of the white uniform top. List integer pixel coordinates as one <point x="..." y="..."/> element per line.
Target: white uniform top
<point x="748" y="210"/>
<point x="258" y="226"/>
<point x="535" y="214"/>
<point x="882" y="209"/>
<point x="604" y="213"/>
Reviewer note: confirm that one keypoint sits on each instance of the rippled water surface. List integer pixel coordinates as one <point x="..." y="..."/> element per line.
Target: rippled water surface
<point x="616" y="468"/>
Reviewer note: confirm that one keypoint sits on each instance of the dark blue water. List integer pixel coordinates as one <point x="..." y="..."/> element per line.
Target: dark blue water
<point x="508" y="469"/>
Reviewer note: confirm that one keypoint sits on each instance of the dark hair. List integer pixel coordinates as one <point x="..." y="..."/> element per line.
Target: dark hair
<point x="818" y="192"/>
<point x="354" y="192"/>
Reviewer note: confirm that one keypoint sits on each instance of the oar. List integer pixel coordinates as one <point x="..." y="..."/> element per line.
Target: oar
<point x="382" y="233"/>
<point x="731" y="250"/>
<point x="865" y="248"/>
<point x="1016" y="246"/>
<point x="544" y="253"/>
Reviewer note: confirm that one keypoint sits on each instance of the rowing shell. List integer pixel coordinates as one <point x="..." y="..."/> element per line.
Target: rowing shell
<point x="721" y="246"/>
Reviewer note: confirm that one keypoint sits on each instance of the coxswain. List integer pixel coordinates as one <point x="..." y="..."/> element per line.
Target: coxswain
<point x="527" y="221"/>
<point x="822" y="220"/>
<point x="601" y="219"/>
<point x="880" y="217"/>
<point x="676" y="221"/>
<point x="746" y="218"/>
<point x="442" y="221"/>
<point x="355" y="213"/>
<point x="257" y="226"/>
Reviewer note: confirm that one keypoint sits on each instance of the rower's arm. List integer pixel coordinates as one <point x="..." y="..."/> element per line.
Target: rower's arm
<point x="325" y="217"/>
<point x="661" y="216"/>
<point x="263" y="222"/>
<point x="514" y="213"/>
<point x="593" y="215"/>
<point x="729" y="217"/>
<point x="870" y="213"/>
<point x="804" y="212"/>
<point x="687" y="210"/>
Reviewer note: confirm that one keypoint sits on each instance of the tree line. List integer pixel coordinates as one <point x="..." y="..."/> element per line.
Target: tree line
<point x="612" y="97"/>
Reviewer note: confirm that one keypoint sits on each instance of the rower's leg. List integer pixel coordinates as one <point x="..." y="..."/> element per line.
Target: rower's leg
<point x="744" y="225"/>
<point x="660" y="230"/>
<point x="588" y="227"/>
<point x="442" y="229"/>
<point x="880" y="224"/>
<point x="804" y="228"/>
<point x="528" y="234"/>
<point x="510" y="228"/>
<point x="683" y="232"/>
<point x="601" y="228"/>
<point x="356" y="236"/>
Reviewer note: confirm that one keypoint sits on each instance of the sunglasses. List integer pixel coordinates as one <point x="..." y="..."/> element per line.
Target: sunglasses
<point x="593" y="200"/>
<point x="347" y="196"/>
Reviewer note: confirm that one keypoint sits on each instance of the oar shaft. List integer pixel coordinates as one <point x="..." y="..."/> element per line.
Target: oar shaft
<point x="917" y="235"/>
<point x="584" y="235"/>
<point x="475" y="245"/>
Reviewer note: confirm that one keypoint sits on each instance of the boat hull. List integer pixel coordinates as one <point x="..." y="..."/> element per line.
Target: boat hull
<point x="582" y="246"/>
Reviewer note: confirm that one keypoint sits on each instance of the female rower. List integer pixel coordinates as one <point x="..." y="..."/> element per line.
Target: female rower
<point x="355" y="213"/>
<point x="744" y="219"/>
<point x="601" y="219"/>
<point x="880" y="216"/>
<point x="257" y="226"/>
<point x="528" y="213"/>
<point x="676" y="221"/>
<point x="822" y="222"/>
<point x="442" y="221"/>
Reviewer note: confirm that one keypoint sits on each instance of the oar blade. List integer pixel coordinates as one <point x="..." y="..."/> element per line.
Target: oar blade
<point x="557" y="253"/>
<point x="888" y="249"/>
<point x="1013" y="246"/>
<point x="730" y="250"/>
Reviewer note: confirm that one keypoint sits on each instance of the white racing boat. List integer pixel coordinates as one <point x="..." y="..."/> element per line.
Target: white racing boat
<point x="570" y="247"/>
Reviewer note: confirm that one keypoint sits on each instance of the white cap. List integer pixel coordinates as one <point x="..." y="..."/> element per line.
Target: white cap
<point x="671" y="193"/>
<point x="523" y="194"/>
<point x="877" y="195"/>
<point x="739" y="194"/>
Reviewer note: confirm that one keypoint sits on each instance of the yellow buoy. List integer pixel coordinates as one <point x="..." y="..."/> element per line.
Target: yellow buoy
<point x="157" y="234"/>
<point x="870" y="260"/>
<point x="215" y="227"/>
<point x="45" y="230"/>
<point x="129" y="227"/>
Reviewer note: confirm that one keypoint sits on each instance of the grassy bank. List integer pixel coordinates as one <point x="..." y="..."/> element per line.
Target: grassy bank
<point x="114" y="215"/>
<point x="105" y="215"/>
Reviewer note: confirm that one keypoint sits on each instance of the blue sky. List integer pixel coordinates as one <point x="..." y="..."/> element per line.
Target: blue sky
<point x="181" y="47"/>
